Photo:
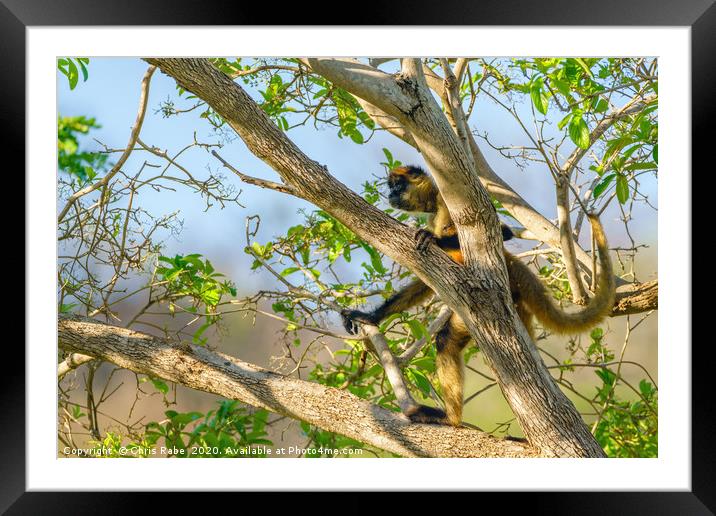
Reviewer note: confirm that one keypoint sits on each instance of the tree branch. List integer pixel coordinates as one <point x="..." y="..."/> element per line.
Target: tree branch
<point x="328" y="408"/>
<point x="567" y="242"/>
<point x="391" y="368"/>
<point x="387" y="122"/>
<point x="73" y="361"/>
<point x="634" y="299"/>
<point x="263" y="183"/>
<point x="134" y="134"/>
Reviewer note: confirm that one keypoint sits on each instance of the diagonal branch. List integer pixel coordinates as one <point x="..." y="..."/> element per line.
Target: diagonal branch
<point x="133" y="136"/>
<point x="310" y="180"/>
<point x="263" y="183"/>
<point x="328" y="408"/>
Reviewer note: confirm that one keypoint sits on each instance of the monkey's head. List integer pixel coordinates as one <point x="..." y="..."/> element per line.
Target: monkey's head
<point x="412" y="189"/>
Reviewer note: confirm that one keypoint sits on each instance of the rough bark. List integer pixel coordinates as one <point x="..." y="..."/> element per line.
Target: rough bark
<point x="478" y="291"/>
<point x="634" y="299"/>
<point x="328" y="408"/>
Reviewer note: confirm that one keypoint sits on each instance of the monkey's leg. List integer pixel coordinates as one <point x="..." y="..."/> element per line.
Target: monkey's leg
<point x="451" y="339"/>
<point x="413" y="293"/>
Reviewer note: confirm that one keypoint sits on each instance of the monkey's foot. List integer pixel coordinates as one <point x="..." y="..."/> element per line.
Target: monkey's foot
<point x="429" y="415"/>
<point x="423" y="239"/>
<point x="351" y="318"/>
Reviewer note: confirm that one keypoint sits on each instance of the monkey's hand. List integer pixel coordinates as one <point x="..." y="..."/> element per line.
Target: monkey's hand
<point x="423" y="239"/>
<point x="429" y="415"/>
<point x="351" y="319"/>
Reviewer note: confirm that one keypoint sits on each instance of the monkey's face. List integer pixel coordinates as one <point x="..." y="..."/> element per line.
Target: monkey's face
<point x="411" y="189"/>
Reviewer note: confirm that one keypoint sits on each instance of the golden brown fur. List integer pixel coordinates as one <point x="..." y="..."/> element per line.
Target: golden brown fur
<point x="411" y="189"/>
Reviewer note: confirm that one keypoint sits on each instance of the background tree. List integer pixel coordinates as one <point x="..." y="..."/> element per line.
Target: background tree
<point x="591" y="124"/>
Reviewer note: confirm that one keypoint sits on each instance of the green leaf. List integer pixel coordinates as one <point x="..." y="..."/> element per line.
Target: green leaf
<point x="562" y="86"/>
<point x="196" y="338"/>
<point x="584" y="66"/>
<point x="564" y="121"/>
<point x="579" y="132"/>
<point x="73" y="75"/>
<point x="82" y="62"/>
<point x="603" y="184"/>
<point x="655" y="153"/>
<point x="622" y="189"/>
<point x="420" y="381"/>
<point x="601" y="106"/>
<point x="160" y="385"/>
<point x="65" y="308"/>
<point x="375" y="260"/>
<point x="539" y="99"/>
<point x="649" y="165"/>
<point x="356" y="136"/>
<point x="417" y="329"/>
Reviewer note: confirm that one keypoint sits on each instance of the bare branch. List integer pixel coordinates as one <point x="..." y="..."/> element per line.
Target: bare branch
<point x="73" y="361"/>
<point x="263" y="183"/>
<point x="391" y="368"/>
<point x="328" y="408"/>
<point x="134" y="134"/>
<point x="567" y="242"/>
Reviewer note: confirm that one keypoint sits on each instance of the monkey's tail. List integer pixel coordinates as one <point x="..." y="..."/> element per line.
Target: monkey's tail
<point x="534" y="294"/>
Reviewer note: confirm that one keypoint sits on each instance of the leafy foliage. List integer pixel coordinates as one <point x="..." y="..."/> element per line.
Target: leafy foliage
<point x="583" y="91"/>
<point x="231" y="430"/>
<point x="627" y="428"/>
<point x="189" y="277"/>
<point x="72" y="68"/>
<point x="81" y="164"/>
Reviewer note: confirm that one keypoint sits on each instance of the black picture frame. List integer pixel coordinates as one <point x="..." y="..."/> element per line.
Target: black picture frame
<point x="700" y="15"/>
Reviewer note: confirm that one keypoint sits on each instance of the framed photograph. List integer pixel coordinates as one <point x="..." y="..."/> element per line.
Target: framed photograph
<point x="431" y="242"/>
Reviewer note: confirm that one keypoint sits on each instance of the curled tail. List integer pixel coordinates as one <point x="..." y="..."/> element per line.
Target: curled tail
<point x="531" y="293"/>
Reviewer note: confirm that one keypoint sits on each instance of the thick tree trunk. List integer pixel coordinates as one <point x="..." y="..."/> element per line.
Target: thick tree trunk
<point x="477" y="291"/>
<point x="328" y="408"/>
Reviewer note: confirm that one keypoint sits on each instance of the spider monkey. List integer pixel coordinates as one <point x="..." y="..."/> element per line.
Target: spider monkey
<point x="413" y="190"/>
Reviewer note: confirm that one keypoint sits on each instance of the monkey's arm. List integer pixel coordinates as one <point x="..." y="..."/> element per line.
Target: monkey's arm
<point x="413" y="293"/>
